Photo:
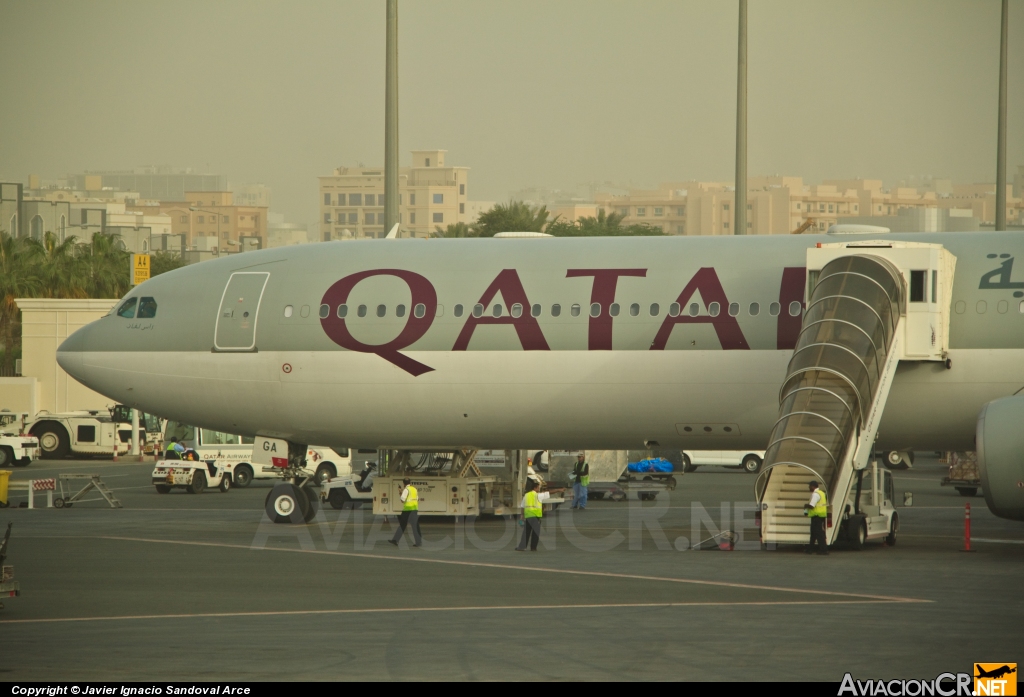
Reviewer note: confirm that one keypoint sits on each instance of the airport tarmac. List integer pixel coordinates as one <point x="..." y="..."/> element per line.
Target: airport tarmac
<point x="201" y="587"/>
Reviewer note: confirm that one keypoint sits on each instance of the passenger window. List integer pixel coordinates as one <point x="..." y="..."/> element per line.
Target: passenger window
<point x="714" y="309"/>
<point x="400" y="311"/>
<point x="634" y="310"/>
<point x="478" y="310"/>
<point x="382" y="310"/>
<point x="517" y="310"/>
<point x="574" y="310"/>
<point x="439" y="311"/>
<point x="457" y="310"/>
<point x="288" y="309"/>
<point x="1022" y="307"/>
<point x="128" y="308"/>
<point x="673" y="310"/>
<point x="734" y="309"/>
<point x="325" y="311"/>
<point x="304" y="311"/>
<point x="535" y="310"/>
<point x="496" y="310"/>
<point x="1002" y="307"/>
<point x="419" y="311"/>
<point x="147" y="308"/>
<point x="361" y="310"/>
<point x="342" y="311"/>
<point x="556" y="310"/>
<point x="755" y="309"/>
<point x="774" y="309"/>
<point x="982" y="307"/>
<point x="917" y="286"/>
<point x="613" y="310"/>
<point x="794" y="308"/>
<point x="655" y="309"/>
<point x="595" y="309"/>
<point x="961" y="307"/>
<point x="694" y="309"/>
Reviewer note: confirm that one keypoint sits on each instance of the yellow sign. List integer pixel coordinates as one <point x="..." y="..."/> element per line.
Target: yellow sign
<point x="140" y="268"/>
<point x="995" y="679"/>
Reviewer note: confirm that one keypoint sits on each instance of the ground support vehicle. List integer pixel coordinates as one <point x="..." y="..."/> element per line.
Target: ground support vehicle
<point x="963" y="472"/>
<point x="79" y="433"/>
<point x="236" y="450"/>
<point x="193" y="476"/>
<point x="747" y="460"/>
<point x="870" y="512"/>
<point x="16" y="447"/>
<point x="9" y="588"/>
<point x="349" y="490"/>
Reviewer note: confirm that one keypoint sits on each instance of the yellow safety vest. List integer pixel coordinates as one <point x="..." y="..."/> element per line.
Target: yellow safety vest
<point x="821" y="510"/>
<point x="412" y="501"/>
<point x="533" y="508"/>
<point x="584" y="479"/>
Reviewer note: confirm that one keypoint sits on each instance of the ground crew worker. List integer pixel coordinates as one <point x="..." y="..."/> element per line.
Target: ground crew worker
<point x="410" y="514"/>
<point x="174" y="450"/>
<point x="817" y="510"/>
<point x="581" y="480"/>
<point x="533" y="511"/>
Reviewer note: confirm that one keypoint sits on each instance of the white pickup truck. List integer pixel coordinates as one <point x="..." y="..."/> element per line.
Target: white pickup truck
<point x="747" y="460"/>
<point x="214" y="446"/>
<point x="16" y="448"/>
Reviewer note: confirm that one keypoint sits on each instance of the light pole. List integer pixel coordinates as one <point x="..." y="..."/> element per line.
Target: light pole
<point x="739" y="218"/>
<point x="391" y="119"/>
<point x="1001" y="128"/>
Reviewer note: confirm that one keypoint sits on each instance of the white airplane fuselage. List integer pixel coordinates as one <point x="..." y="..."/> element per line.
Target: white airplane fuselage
<point x="239" y="344"/>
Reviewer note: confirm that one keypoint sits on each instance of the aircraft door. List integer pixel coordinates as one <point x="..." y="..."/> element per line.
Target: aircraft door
<point x="239" y="307"/>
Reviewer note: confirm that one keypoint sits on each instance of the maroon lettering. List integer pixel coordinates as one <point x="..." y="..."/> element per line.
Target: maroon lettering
<point x="415" y="327"/>
<point x="511" y="288"/>
<point x="599" y="337"/>
<point x="726" y="326"/>
<point x="791" y="290"/>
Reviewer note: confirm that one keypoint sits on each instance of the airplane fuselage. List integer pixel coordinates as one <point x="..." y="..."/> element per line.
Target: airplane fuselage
<point x="548" y="343"/>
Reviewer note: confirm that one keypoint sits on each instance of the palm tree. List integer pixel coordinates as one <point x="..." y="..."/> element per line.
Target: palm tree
<point x="18" y="279"/>
<point x="107" y="263"/>
<point x="59" y="266"/>
<point x="453" y="230"/>
<point x="516" y="216"/>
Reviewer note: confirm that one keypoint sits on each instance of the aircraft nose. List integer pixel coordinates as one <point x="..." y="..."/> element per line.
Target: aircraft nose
<point x="69" y="353"/>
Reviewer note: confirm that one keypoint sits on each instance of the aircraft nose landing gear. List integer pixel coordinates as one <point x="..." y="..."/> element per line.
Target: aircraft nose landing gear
<point x="292" y="500"/>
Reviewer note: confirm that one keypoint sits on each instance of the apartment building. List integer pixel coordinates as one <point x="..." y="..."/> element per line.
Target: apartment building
<point x="206" y="215"/>
<point x="431" y="194"/>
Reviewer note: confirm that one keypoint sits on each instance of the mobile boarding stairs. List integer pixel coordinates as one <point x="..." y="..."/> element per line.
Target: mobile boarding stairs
<point x="869" y="305"/>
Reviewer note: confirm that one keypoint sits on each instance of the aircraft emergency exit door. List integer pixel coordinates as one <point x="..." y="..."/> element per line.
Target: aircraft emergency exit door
<point x="239" y="307"/>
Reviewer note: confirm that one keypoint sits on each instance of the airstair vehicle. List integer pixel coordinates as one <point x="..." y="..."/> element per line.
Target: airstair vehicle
<point x="869" y="305"/>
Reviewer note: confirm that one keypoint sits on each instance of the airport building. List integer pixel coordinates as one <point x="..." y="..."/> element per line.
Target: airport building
<point x="431" y="194"/>
<point x="155" y="183"/>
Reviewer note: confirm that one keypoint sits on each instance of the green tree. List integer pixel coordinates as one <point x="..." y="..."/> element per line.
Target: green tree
<point x="516" y="216"/>
<point x="603" y="225"/>
<point x="453" y="230"/>
<point x="107" y="266"/>
<point x="58" y="266"/>
<point x="162" y="262"/>
<point x="18" y="279"/>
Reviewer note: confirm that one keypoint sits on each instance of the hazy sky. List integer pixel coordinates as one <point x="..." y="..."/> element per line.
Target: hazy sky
<point x="524" y="92"/>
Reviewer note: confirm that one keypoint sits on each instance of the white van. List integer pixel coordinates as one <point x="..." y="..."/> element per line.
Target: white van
<point x="322" y="462"/>
<point x="747" y="460"/>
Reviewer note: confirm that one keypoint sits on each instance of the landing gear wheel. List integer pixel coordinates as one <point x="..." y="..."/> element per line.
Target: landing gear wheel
<point x="894" y="527"/>
<point x="325" y="473"/>
<point x="225" y="484"/>
<point x="160" y="489"/>
<point x="339" y="498"/>
<point x="751" y="464"/>
<point x="286" y="503"/>
<point x="243" y="476"/>
<point x="53" y="442"/>
<point x="312" y="503"/>
<point x="198" y="483"/>
<point x="967" y="490"/>
<point x="687" y="467"/>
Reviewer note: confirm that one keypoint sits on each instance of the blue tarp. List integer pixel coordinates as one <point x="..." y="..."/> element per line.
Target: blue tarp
<point x="655" y="464"/>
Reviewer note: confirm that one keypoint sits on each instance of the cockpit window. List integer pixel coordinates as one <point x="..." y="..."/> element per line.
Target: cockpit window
<point x="127" y="310"/>
<point x="147" y="308"/>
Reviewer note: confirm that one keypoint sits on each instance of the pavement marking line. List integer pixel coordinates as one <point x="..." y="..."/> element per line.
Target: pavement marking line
<point x="490" y="565"/>
<point x="973" y="539"/>
<point x="467" y="608"/>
